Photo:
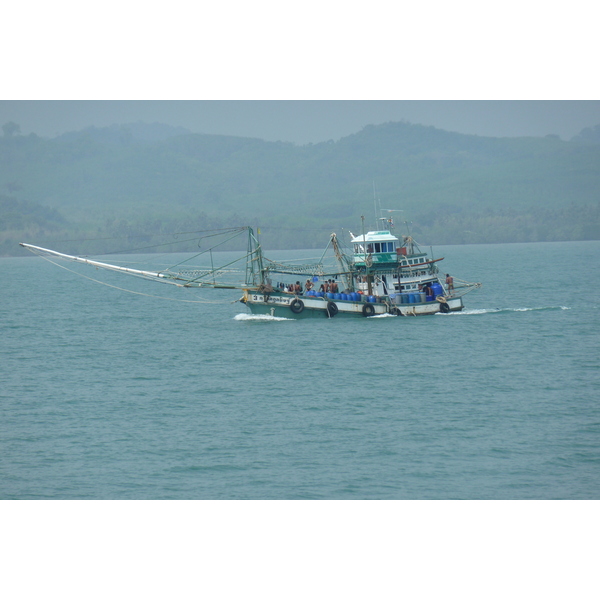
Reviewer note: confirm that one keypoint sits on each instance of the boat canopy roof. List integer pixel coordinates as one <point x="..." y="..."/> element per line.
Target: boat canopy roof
<point x="374" y="236"/>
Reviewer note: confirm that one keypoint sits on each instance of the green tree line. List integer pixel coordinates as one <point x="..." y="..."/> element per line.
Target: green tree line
<point x="120" y="184"/>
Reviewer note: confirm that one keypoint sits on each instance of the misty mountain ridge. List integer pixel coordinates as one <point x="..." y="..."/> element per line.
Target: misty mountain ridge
<point x="125" y="133"/>
<point x="153" y="132"/>
<point x="146" y="179"/>
<point x="590" y="135"/>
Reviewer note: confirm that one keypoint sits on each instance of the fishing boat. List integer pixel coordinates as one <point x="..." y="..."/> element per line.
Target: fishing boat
<point x="384" y="275"/>
<point x="381" y="274"/>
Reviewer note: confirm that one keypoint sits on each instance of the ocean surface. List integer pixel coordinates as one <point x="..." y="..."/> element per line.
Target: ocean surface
<point x="105" y="394"/>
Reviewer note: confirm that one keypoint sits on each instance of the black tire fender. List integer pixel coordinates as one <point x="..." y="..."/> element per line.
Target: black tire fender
<point x="332" y="309"/>
<point x="296" y="306"/>
<point x="444" y="308"/>
<point x="368" y="310"/>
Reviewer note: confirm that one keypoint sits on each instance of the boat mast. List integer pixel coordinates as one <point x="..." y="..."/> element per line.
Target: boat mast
<point x="367" y="274"/>
<point x="255" y="270"/>
<point x="375" y="204"/>
<point x="344" y="263"/>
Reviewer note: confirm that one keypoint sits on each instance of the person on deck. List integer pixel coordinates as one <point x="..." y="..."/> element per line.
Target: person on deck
<point x="449" y="282"/>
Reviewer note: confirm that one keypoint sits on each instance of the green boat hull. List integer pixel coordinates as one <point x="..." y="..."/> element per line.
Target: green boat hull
<point x="300" y="307"/>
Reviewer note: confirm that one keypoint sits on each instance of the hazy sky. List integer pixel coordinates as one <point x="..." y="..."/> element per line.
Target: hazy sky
<point x="267" y="69"/>
<point x="307" y="121"/>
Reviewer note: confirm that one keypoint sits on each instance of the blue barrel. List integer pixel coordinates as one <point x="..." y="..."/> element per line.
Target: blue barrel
<point x="337" y="296"/>
<point x="413" y="298"/>
<point x="429" y="298"/>
<point x="330" y="295"/>
<point x="345" y="297"/>
<point x="357" y="297"/>
<point x="437" y="289"/>
<point x="320" y="294"/>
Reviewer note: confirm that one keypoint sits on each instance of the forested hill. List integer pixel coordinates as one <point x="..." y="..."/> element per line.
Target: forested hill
<point x="135" y="180"/>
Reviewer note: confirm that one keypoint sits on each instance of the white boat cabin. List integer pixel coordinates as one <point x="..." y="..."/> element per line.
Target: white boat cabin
<point x="375" y="247"/>
<point x="392" y="266"/>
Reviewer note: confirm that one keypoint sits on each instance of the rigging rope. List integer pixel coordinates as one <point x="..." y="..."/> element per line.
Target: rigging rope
<point x="116" y="287"/>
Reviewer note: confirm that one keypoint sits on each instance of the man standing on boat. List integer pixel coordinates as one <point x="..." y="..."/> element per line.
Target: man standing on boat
<point x="449" y="282"/>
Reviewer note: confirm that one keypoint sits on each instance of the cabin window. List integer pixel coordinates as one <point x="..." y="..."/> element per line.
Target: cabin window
<point x="370" y="248"/>
<point x="377" y="247"/>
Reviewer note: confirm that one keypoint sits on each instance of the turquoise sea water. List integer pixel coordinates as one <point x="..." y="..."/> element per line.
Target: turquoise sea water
<point x="110" y="395"/>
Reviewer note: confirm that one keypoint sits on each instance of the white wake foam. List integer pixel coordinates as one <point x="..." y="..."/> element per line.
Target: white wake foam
<point x="247" y="317"/>
<point x="483" y="311"/>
